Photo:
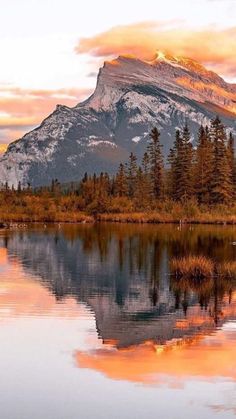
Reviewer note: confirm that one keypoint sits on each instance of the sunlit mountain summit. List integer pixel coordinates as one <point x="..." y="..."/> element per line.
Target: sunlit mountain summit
<point x="131" y="96"/>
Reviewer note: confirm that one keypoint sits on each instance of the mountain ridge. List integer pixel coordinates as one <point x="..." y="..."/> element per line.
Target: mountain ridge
<point x="131" y="96"/>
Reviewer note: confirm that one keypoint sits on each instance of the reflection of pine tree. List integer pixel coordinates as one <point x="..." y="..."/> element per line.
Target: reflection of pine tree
<point x="155" y="272"/>
<point x="185" y="303"/>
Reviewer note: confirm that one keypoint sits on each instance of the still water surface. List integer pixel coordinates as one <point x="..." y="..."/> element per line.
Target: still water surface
<point x="92" y="325"/>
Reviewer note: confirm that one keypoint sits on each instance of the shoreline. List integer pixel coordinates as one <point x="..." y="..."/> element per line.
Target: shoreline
<point x="122" y="218"/>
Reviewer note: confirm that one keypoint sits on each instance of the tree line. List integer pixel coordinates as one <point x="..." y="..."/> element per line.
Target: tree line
<point x="205" y="173"/>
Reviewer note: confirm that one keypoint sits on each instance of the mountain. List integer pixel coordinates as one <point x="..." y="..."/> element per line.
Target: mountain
<point x="130" y="98"/>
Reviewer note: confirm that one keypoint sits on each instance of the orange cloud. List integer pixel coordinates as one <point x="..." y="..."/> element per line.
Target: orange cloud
<point x="211" y="46"/>
<point x="207" y="358"/>
<point x="23" y="109"/>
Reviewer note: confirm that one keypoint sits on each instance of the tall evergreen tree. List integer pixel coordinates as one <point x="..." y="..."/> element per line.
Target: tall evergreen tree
<point x="156" y="164"/>
<point x="132" y="174"/>
<point x="121" y="186"/>
<point x="180" y="159"/>
<point x="147" y="187"/>
<point x="221" y="185"/>
<point x="171" y="172"/>
<point x="184" y="186"/>
<point x="232" y="163"/>
<point x="203" y="166"/>
<point x="141" y="194"/>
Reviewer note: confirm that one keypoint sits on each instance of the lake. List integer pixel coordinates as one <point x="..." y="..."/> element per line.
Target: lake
<point x="93" y="325"/>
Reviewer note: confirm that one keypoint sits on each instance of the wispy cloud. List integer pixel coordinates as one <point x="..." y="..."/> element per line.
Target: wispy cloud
<point x="23" y="109"/>
<point x="212" y="46"/>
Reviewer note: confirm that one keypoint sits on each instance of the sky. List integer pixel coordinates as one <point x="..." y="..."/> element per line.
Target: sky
<point x="51" y="50"/>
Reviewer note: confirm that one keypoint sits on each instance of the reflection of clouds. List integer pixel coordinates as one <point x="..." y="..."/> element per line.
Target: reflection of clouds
<point x="3" y="263"/>
<point x="222" y="408"/>
<point x="201" y="357"/>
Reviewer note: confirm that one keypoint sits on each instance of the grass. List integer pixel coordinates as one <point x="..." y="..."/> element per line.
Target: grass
<point x="7" y="218"/>
<point x="155" y="217"/>
<point x="171" y="212"/>
<point x="227" y="269"/>
<point x="198" y="267"/>
<point x="27" y="207"/>
<point x="201" y="267"/>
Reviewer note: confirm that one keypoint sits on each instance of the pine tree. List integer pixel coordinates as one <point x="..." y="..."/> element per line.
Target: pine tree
<point x="232" y="164"/>
<point x="221" y="186"/>
<point x="142" y="190"/>
<point x="180" y="176"/>
<point x="184" y="179"/>
<point x="147" y="187"/>
<point x="176" y="165"/>
<point x="132" y="174"/>
<point x="156" y="164"/>
<point x="121" y="186"/>
<point x="203" y="166"/>
<point x="102" y="192"/>
<point x="145" y="164"/>
<point x="171" y="179"/>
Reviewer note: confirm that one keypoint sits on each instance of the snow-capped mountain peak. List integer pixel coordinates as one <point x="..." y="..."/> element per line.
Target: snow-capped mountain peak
<point x="130" y="98"/>
<point x="178" y="75"/>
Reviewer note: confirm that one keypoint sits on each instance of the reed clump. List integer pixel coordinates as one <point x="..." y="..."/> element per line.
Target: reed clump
<point x="201" y="267"/>
<point x="197" y="267"/>
<point x="227" y="269"/>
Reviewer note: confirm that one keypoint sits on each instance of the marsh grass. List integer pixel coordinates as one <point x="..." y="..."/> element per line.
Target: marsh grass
<point x="201" y="267"/>
<point x="227" y="269"/>
<point x="198" y="267"/>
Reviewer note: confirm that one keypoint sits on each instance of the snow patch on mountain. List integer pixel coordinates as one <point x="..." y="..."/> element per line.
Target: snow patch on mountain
<point x="95" y="143"/>
<point x="136" y="139"/>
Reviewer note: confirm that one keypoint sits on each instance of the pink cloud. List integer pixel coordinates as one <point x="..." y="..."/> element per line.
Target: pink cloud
<point x="211" y="46"/>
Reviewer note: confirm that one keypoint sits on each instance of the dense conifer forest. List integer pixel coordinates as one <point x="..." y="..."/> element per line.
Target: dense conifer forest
<point x="196" y="183"/>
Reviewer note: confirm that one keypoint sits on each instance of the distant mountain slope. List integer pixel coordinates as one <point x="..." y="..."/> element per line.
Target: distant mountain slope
<point x="130" y="98"/>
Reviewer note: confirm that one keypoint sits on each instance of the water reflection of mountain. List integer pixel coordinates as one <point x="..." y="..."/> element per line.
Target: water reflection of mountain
<point x="122" y="273"/>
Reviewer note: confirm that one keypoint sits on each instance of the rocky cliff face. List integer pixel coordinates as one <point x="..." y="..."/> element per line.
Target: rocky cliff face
<point x="130" y="98"/>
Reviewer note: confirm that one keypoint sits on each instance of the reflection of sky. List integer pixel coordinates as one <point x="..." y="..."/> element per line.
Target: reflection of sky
<point x="54" y="366"/>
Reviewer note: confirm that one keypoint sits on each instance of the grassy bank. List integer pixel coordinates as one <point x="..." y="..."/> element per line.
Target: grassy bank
<point x="169" y="211"/>
<point x="158" y="218"/>
<point x="134" y="218"/>
<point x="45" y="217"/>
<point x="27" y="207"/>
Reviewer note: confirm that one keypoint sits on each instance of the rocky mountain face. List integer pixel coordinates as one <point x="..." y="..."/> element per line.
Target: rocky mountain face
<point x="130" y="98"/>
